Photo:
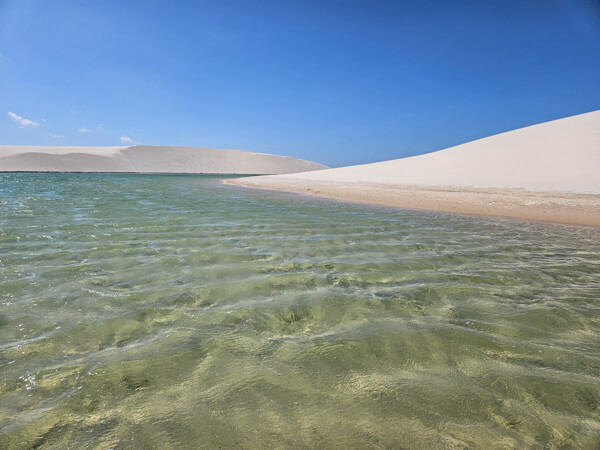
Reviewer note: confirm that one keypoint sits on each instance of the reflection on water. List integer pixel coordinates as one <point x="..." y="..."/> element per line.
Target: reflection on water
<point x="174" y="311"/>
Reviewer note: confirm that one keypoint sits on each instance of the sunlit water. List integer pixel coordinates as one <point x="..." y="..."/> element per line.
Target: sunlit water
<point x="173" y="311"/>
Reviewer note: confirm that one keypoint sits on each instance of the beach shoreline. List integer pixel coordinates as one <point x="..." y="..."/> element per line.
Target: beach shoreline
<point x="545" y="206"/>
<point x="547" y="172"/>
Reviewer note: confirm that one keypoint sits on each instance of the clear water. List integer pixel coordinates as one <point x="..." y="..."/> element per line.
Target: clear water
<point x="172" y="311"/>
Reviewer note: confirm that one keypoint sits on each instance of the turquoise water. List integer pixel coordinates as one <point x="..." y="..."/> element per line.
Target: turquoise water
<point x="173" y="311"/>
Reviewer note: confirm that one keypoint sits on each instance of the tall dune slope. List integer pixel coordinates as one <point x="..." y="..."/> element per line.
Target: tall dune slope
<point x="148" y="159"/>
<point x="562" y="155"/>
<point x="549" y="171"/>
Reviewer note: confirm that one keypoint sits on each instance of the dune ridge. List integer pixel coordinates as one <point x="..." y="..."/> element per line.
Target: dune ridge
<point x="147" y="159"/>
<point x="549" y="171"/>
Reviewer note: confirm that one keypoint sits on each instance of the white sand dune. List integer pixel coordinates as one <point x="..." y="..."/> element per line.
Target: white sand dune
<point x="147" y="159"/>
<point x="549" y="171"/>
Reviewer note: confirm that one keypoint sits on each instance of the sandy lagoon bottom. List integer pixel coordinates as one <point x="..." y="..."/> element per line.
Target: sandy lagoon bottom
<point x="172" y="311"/>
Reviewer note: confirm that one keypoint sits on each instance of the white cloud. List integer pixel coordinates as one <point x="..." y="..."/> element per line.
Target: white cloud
<point x="57" y="136"/>
<point x="128" y="140"/>
<point x="43" y="120"/>
<point x="22" y="121"/>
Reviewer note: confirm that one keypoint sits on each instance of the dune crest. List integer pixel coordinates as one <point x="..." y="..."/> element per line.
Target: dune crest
<point x="147" y="159"/>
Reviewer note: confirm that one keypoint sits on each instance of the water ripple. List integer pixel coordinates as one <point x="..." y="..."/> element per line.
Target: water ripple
<point x="172" y="311"/>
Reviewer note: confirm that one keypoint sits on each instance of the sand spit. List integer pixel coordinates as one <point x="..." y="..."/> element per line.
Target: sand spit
<point x="549" y="172"/>
<point x="147" y="159"/>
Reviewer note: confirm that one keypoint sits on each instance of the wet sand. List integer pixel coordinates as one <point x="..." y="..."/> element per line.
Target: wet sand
<point x="561" y="207"/>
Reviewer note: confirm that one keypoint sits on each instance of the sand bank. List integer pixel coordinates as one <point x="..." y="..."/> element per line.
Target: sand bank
<point x="549" y="172"/>
<point x="147" y="159"/>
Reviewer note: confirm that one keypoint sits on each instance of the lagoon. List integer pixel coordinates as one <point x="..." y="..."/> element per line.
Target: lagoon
<point x="175" y="311"/>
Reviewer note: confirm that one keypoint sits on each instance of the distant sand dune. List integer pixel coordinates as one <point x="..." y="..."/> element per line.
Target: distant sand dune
<point x="549" y="171"/>
<point x="145" y="158"/>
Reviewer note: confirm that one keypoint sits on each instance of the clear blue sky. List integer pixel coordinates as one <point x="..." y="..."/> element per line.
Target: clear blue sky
<point x="339" y="82"/>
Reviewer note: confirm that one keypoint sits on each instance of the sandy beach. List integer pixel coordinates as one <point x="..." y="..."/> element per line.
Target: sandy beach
<point x="548" y="172"/>
<point x="147" y="159"/>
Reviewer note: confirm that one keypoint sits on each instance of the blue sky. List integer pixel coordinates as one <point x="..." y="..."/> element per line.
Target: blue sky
<point x="339" y="82"/>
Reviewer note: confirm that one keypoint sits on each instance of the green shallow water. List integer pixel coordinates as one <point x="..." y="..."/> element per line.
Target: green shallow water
<point x="175" y="312"/>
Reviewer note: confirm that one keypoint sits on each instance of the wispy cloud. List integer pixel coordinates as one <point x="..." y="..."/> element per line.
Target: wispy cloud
<point x="57" y="136"/>
<point x="23" y="122"/>
<point x="128" y="140"/>
<point x="89" y="130"/>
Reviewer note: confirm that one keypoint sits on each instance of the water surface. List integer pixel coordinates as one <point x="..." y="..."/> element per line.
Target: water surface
<point x="172" y="311"/>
